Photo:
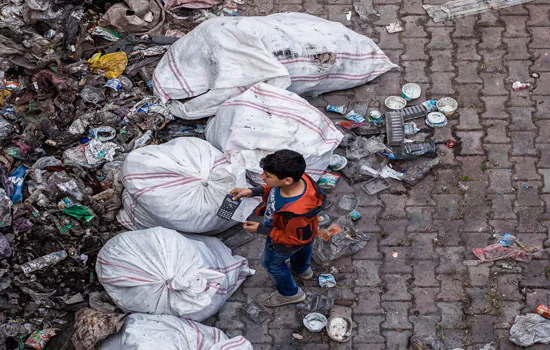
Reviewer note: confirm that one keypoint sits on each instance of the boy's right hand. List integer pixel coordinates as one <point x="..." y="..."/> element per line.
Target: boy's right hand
<point x="238" y="193"/>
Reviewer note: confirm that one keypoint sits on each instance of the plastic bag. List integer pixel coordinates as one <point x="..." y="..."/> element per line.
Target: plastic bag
<point x="17" y="178"/>
<point x="112" y="64"/>
<point x="92" y="326"/>
<point x="5" y="247"/>
<point x="530" y="329"/>
<point x="5" y="209"/>
<point x="265" y="119"/>
<point x="97" y="152"/>
<point x="509" y="247"/>
<point x="344" y="242"/>
<point x="364" y="147"/>
<point x="147" y="332"/>
<point x="160" y="271"/>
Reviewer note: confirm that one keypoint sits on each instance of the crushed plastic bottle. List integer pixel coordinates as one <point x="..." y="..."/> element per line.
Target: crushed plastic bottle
<point x="43" y="261"/>
<point x="415" y="150"/>
<point x="418" y="111"/>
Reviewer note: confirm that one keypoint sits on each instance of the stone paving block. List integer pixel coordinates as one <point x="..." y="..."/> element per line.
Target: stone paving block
<point x="448" y="207"/>
<point x="396" y="315"/>
<point x="421" y="193"/>
<point x="510" y="309"/>
<point x="488" y="19"/>
<point x="396" y="263"/>
<point x="412" y="7"/>
<point x="509" y="287"/>
<point x="476" y="300"/>
<point x="415" y="71"/>
<point x="479" y="275"/>
<point x="471" y="142"/>
<point x="519" y="70"/>
<point x="497" y="155"/>
<point x="448" y="232"/>
<point x="467" y="72"/>
<point x="469" y="95"/>
<point x="440" y="38"/>
<point x="466" y="50"/>
<point x="414" y="49"/>
<point x="394" y="206"/>
<point x="452" y="288"/>
<point x="393" y="232"/>
<point x="481" y="330"/>
<point x="465" y="27"/>
<point x="282" y="338"/>
<point x="452" y="315"/>
<point x="523" y="143"/>
<point x="529" y="219"/>
<point x="424" y="301"/>
<point x="422" y="246"/>
<point x="369" y="216"/>
<point x="533" y="239"/>
<point x="368" y="330"/>
<point x="368" y="301"/>
<point x="370" y="251"/>
<point x="229" y="316"/>
<point x="368" y="272"/>
<point x="522" y="119"/>
<point x="413" y="27"/>
<point x="491" y="37"/>
<point x="502" y="206"/>
<point x="472" y="167"/>
<point x="492" y="61"/>
<point x="475" y="217"/>
<point x="542" y="106"/>
<point x="517" y="49"/>
<point x="534" y="297"/>
<point x="396" y="287"/>
<point x="516" y="27"/>
<point x="474" y="240"/>
<point x="388" y="84"/>
<point x="543" y="86"/>
<point x="542" y="61"/>
<point x="499" y="227"/>
<point x="337" y="13"/>
<point x="546" y="199"/>
<point x="527" y="194"/>
<point x="420" y="219"/>
<point x="299" y="8"/>
<point x="441" y="61"/>
<point x="494" y="107"/>
<point x="398" y="340"/>
<point x="424" y="273"/>
<point x="450" y="260"/>
<point x="521" y="98"/>
<point x="496" y="131"/>
<point x="442" y="84"/>
<point x="388" y="14"/>
<point x="425" y="325"/>
<point x="493" y="84"/>
<point x="539" y="15"/>
<point x="314" y="7"/>
<point x="546" y="175"/>
<point x="388" y="41"/>
<point x="469" y="119"/>
<point x="539" y="37"/>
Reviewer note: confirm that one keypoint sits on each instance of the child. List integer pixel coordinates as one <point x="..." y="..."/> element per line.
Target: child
<point x="291" y="203"/>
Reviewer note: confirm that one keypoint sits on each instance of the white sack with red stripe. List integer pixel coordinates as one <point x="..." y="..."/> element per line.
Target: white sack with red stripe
<point x="160" y="271"/>
<point x="301" y="52"/>
<point x="265" y="119"/>
<point x="149" y="332"/>
<point x="179" y="185"/>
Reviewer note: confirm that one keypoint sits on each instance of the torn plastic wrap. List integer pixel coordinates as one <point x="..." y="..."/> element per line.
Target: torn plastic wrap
<point x="508" y="247"/>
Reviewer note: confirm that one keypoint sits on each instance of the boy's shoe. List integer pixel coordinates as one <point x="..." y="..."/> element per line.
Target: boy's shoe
<point x="306" y="275"/>
<point x="275" y="299"/>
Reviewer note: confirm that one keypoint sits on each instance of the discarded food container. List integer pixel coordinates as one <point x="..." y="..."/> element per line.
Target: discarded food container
<point x="328" y="181"/>
<point x="337" y="109"/>
<point x="395" y="132"/>
<point x="376" y="117"/>
<point x="436" y="120"/>
<point x="114" y="84"/>
<point x="411" y="91"/>
<point x="395" y="102"/>
<point x="315" y="322"/>
<point x="256" y="312"/>
<point x="327" y="233"/>
<point x="324" y="219"/>
<point x="337" y="162"/>
<point x="543" y="310"/>
<point x="447" y="106"/>
<point x="354" y="215"/>
<point x="357" y="111"/>
<point x="327" y="280"/>
<point x="518" y="85"/>
<point x="410" y="129"/>
<point x="38" y="339"/>
<point x="375" y="185"/>
<point x="339" y="328"/>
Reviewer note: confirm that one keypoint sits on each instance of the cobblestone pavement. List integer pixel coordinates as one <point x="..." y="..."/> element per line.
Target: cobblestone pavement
<point x="427" y="290"/>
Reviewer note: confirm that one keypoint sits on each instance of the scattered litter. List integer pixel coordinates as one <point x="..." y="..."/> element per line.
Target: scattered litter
<point x="508" y="247"/>
<point x="317" y="302"/>
<point x="530" y="329"/>
<point x="426" y="343"/>
<point x="463" y="8"/>
<point x="375" y="186"/>
<point x="436" y="120"/>
<point x="535" y="75"/>
<point x="447" y="106"/>
<point x="518" y="85"/>
<point x="395" y="102"/>
<point x="410" y="91"/>
<point x="543" y="310"/>
<point x="337" y="162"/>
<point x="394" y="28"/>
<point x="394" y="254"/>
<point x="38" y="339"/>
<point x="376" y="117"/>
<point x="339" y="328"/>
<point x="297" y="336"/>
<point x="315" y="322"/>
<point x="257" y="312"/>
<point x="327" y="280"/>
<point x="348" y="15"/>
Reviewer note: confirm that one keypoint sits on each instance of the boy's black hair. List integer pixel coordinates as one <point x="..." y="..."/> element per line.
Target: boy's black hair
<point x="285" y="163"/>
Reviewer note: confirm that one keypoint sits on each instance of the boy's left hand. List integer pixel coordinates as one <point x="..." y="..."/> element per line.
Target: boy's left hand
<point x="251" y="226"/>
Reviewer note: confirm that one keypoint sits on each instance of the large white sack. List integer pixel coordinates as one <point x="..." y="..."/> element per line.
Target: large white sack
<point x="265" y="119"/>
<point x="179" y="185"/>
<point x="150" y="332"/>
<point x="221" y="57"/>
<point x="160" y="271"/>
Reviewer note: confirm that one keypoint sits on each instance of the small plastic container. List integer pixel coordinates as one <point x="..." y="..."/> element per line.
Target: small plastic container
<point x="411" y="91"/>
<point x="339" y="328"/>
<point x="337" y="162"/>
<point x="436" y="120"/>
<point x="375" y="185"/>
<point x="395" y="102"/>
<point x="315" y="322"/>
<point x="447" y="106"/>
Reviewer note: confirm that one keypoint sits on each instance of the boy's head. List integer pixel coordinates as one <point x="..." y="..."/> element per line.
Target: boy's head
<point x="282" y="168"/>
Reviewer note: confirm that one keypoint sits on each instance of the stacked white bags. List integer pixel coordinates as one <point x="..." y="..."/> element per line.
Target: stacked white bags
<point x="179" y="185"/>
<point x="224" y="56"/>
<point x="163" y="272"/>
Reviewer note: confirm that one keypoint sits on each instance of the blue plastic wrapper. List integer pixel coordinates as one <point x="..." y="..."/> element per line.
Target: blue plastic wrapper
<point x="17" y="178"/>
<point x="327" y="280"/>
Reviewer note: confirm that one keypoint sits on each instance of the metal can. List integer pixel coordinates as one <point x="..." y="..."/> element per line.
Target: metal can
<point x="543" y="310"/>
<point x="114" y="84"/>
<point x="376" y="117"/>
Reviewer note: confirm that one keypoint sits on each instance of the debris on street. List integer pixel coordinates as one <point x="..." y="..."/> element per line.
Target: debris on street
<point x="530" y="329"/>
<point x="462" y="8"/>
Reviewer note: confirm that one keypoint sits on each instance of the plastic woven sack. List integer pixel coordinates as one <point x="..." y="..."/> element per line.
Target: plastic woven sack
<point x="265" y="119"/>
<point x="223" y="56"/>
<point x="160" y="271"/>
<point x="147" y="332"/>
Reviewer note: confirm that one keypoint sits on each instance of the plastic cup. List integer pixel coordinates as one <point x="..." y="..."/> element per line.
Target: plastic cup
<point x="411" y="91"/>
<point x="315" y="322"/>
<point x="447" y="106"/>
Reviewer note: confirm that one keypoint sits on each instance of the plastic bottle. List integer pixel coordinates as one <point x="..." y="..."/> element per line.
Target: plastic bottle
<point x="418" y="111"/>
<point x="144" y="74"/>
<point x="43" y="261"/>
<point x="415" y="150"/>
